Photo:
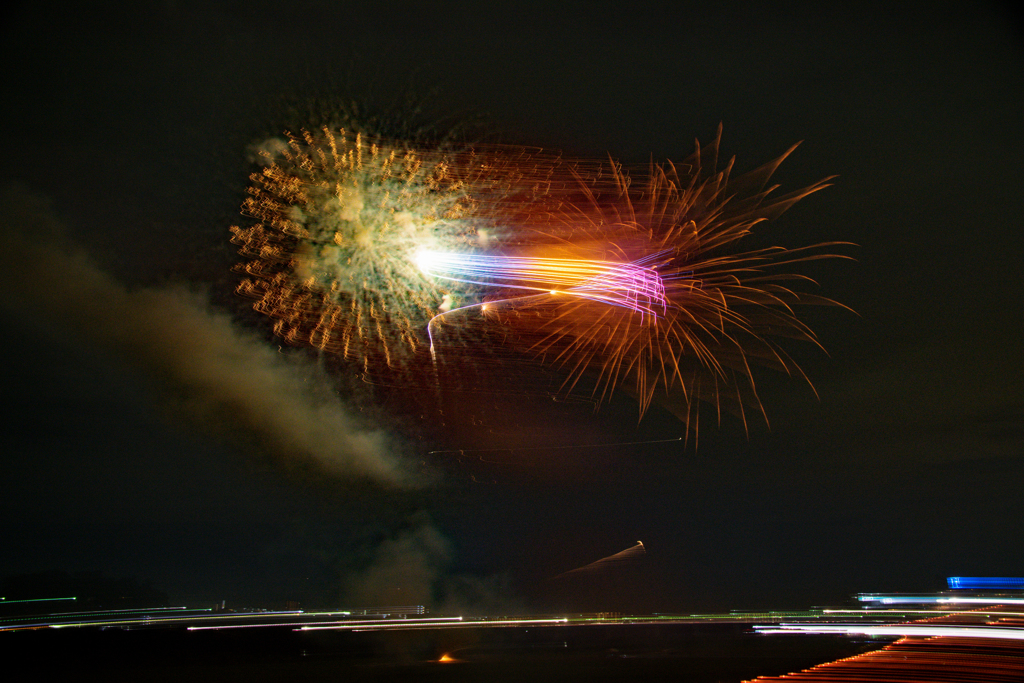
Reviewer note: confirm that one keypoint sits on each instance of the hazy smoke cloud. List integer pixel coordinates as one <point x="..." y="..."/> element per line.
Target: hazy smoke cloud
<point x="217" y="372"/>
<point x="404" y="569"/>
<point x="411" y="568"/>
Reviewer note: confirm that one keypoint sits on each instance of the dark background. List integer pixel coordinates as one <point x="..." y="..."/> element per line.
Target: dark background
<point x="127" y="126"/>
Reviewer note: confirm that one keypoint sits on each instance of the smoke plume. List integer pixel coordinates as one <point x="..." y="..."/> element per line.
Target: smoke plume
<point x="194" y="355"/>
<point x="412" y="567"/>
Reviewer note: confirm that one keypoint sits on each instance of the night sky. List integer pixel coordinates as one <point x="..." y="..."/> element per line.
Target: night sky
<point x="128" y="131"/>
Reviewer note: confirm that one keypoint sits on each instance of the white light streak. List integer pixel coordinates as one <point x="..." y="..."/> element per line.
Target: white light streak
<point x="900" y="630"/>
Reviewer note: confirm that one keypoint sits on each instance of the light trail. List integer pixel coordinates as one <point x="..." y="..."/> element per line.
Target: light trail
<point x="986" y="582"/>
<point x="349" y="624"/>
<point x="899" y="630"/>
<point x="981" y="601"/>
<point x="635" y="286"/>
<point x="974" y="658"/>
<point x="484" y="623"/>
<point x="897" y="613"/>
<point x="886" y="599"/>
<point x="159" y="620"/>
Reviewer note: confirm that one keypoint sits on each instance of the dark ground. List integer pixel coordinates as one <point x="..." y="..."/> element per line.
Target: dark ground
<point x="690" y="654"/>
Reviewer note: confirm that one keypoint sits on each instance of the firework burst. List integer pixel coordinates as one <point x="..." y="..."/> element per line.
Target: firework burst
<point x="338" y="222"/>
<point x="724" y="307"/>
<point x="373" y="250"/>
